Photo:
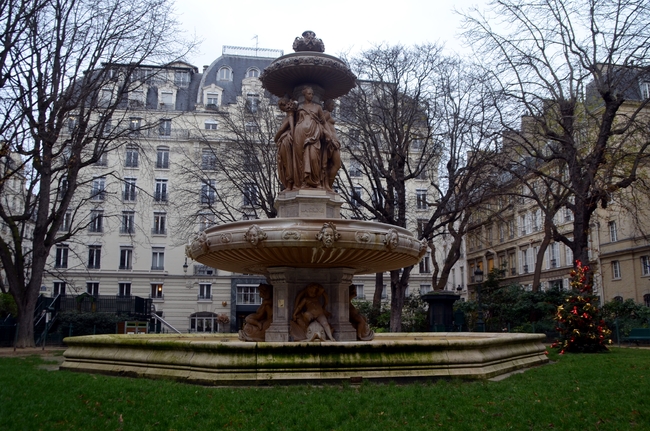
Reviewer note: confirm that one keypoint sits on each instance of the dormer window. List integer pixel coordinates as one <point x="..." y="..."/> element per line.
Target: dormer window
<point x="645" y="90"/>
<point x="253" y="72"/>
<point x="182" y="78"/>
<point x="166" y="100"/>
<point x="212" y="100"/>
<point x="225" y="74"/>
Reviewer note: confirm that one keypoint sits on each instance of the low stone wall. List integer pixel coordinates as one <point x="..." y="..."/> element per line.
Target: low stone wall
<point x="220" y="359"/>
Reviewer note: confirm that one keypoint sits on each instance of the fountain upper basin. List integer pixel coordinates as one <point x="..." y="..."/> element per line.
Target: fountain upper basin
<point x="254" y="246"/>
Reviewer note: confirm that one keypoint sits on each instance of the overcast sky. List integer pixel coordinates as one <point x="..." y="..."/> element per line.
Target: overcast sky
<point x="344" y="26"/>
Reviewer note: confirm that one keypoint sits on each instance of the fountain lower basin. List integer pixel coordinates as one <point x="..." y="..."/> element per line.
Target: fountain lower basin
<point x="221" y="359"/>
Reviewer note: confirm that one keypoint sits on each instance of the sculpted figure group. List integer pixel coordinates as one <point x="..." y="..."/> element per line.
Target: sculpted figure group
<point x="308" y="148"/>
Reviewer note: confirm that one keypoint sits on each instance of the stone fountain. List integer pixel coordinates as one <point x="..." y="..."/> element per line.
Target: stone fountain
<point x="306" y="327"/>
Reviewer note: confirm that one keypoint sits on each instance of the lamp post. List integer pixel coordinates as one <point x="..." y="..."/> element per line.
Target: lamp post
<point x="478" y="277"/>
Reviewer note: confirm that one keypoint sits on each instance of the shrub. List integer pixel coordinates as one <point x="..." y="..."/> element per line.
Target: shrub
<point x="629" y="314"/>
<point x="8" y="306"/>
<point x="87" y="323"/>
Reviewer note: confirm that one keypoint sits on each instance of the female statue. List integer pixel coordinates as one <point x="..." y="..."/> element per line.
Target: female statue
<point x="332" y="151"/>
<point x="307" y="146"/>
<point x="284" y="141"/>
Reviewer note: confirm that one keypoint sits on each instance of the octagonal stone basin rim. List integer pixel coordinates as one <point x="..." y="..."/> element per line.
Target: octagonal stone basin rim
<point x="257" y="245"/>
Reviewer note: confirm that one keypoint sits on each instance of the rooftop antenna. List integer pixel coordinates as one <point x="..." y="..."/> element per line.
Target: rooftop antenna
<point x="256" y="42"/>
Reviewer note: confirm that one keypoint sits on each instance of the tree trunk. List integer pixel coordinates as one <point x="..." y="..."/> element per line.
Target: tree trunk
<point x="398" y="285"/>
<point x="379" y="290"/>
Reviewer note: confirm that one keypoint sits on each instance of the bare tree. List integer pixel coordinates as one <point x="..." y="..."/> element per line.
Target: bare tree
<point x="576" y="69"/>
<point x="71" y="68"/>
<point x="390" y="140"/>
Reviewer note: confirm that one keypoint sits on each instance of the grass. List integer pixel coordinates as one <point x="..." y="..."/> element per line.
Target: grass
<point x="608" y="391"/>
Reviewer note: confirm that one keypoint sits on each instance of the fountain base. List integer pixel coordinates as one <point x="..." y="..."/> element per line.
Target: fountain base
<point x="221" y="359"/>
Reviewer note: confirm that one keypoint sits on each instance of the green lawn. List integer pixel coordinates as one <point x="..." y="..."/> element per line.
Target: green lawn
<point x="608" y="391"/>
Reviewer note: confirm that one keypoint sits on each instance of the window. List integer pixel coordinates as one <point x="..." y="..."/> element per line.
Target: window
<point x="131" y="160"/>
<point x="536" y="216"/>
<point x="72" y="124"/>
<point x="645" y="90"/>
<point x="204" y="321"/>
<point x="92" y="288"/>
<point x="212" y="100"/>
<point x="488" y="234"/>
<point x="251" y="194"/>
<point x="208" y="192"/>
<point x="422" y="224"/>
<point x="102" y="160"/>
<point x="248" y="295"/>
<point x="160" y="195"/>
<point x="94" y="256"/>
<point x="159" y="223"/>
<point x="357" y="195"/>
<point x="524" y="223"/>
<point x="157" y="291"/>
<point x="422" y="175"/>
<point x="568" y="253"/>
<point x="613" y="234"/>
<point x="511" y="228"/>
<point x="157" y="258"/>
<point x="124" y="290"/>
<point x="166" y="99"/>
<point x="96" y="221"/>
<point x="251" y="127"/>
<point x="129" y="189"/>
<point x="63" y="188"/>
<point x="126" y="257"/>
<point x="66" y="222"/>
<point x="208" y="160"/>
<point x="203" y="270"/>
<point x="645" y="265"/>
<point x="553" y="253"/>
<point x="162" y="158"/>
<point x="128" y="222"/>
<point x="205" y="221"/>
<point x="426" y="288"/>
<point x="165" y="129"/>
<point x="646" y="299"/>
<point x="211" y="125"/>
<point x="425" y="264"/>
<point x="359" y="290"/>
<point x="98" y="192"/>
<point x="618" y="298"/>
<point x="525" y="256"/>
<point x="355" y="169"/>
<point x="502" y="232"/>
<point x="252" y="102"/>
<point x="181" y="78"/>
<point x="616" y="270"/>
<point x="205" y="291"/>
<point x="421" y="199"/>
<point x="135" y="123"/>
<point x="253" y="72"/>
<point x="105" y="96"/>
<point x="61" y="259"/>
<point x="136" y="99"/>
<point x="225" y="74"/>
<point x="59" y="288"/>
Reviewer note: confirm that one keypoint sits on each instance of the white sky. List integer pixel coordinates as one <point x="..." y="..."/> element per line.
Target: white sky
<point x="344" y="26"/>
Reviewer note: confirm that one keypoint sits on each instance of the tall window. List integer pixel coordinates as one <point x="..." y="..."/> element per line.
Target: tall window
<point x="251" y="195"/>
<point x="59" y="288"/>
<point x="92" y="288"/>
<point x="252" y="102"/>
<point x="425" y="264"/>
<point x="645" y="90"/>
<point x="157" y="291"/>
<point x="568" y="253"/>
<point x="613" y="234"/>
<point x="128" y="222"/>
<point x="94" y="256"/>
<point x="61" y="257"/>
<point x="63" y="188"/>
<point x="126" y="257"/>
<point x="511" y="228"/>
<point x="208" y="191"/>
<point x="160" y="194"/>
<point x="159" y="223"/>
<point x="208" y="159"/>
<point x="248" y="295"/>
<point x="166" y="99"/>
<point x="205" y="221"/>
<point x="212" y="100"/>
<point x="225" y="74"/>
<point x="524" y="261"/>
<point x="162" y="158"/>
<point x="204" y="321"/>
<point x="129" y="189"/>
<point x="205" y="291"/>
<point x="355" y="169"/>
<point x="357" y="195"/>
<point x="98" y="192"/>
<point x="554" y="255"/>
<point x="616" y="270"/>
<point x="124" y="290"/>
<point x="157" y="258"/>
<point x="165" y="127"/>
<point x="131" y="160"/>
<point x="421" y="199"/>
<point x="645" y="265"/>
<point x="66" y="222"/>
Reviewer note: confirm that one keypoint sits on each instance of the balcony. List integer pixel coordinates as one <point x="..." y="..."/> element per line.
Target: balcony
<point x="513" y="271"/>
<point x="160" y="197"/>
<point x="157" y="267"/>
<point x="554" y="263"/>
<point x="127" y="230"/>
<point x="525" y="268"/>
<point x="204" y="298"/>
<point x="158" y="231"/>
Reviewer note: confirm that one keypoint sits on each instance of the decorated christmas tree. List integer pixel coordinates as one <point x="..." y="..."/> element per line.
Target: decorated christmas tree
<point x="581" y="327"/>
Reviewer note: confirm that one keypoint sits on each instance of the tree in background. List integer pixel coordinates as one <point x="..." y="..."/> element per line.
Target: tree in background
<point x="576" y="70"/>
<point x="390" y="141"/>
<point x="64" y="76"/>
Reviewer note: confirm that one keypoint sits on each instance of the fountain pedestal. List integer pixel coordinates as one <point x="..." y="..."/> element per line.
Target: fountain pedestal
<point x="287" y="282"/>
<point x="308" y="203"/>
